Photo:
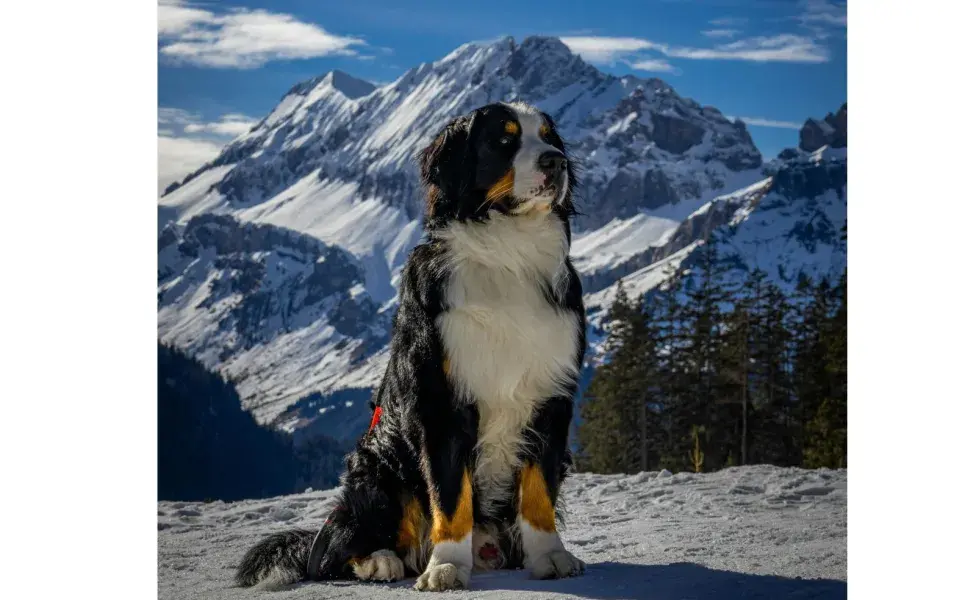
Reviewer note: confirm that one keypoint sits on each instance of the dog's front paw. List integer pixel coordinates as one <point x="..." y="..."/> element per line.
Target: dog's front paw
<point x="445" y="576"/>
<point x="555" y="565"/>
<point x="382" y="565"/>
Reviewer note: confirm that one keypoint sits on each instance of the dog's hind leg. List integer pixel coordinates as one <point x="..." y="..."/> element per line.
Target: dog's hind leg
<point x="363" y="526"/>
<point x="381" y="565"/>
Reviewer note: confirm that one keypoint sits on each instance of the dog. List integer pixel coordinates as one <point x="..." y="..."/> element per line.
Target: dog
<point x="462" y="467"/>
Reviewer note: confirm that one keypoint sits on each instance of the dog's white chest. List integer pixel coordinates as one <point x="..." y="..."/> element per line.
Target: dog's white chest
<point x="508" y="348"/>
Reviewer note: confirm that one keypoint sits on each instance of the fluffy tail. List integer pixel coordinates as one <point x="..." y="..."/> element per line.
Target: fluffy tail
<point x="276" y="561"/>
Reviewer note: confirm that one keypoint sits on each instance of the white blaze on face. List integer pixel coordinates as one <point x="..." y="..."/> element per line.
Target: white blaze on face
<point x="529" y="179"/>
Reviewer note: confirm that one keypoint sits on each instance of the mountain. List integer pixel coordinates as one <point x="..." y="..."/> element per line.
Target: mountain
<point x="280" y="259"/>
<point x="789" y="224"/>
<point x="236" y="294"/>
<point x="829" y="131"/>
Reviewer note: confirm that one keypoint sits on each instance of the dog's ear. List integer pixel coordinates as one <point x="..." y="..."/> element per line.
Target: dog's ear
<point x="444" y="167"/>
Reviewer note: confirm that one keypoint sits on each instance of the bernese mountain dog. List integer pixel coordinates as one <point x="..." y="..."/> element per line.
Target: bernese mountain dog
<point x="463" y="467"/>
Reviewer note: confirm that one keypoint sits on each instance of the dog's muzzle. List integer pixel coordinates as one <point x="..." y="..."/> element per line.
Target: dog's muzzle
<point x="552" y="164"/>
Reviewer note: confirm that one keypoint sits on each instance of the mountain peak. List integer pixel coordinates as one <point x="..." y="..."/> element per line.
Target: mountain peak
<point x="349" y="86"/>
<point x="342" y="82"/>
<point x="829" y="131"/>
<point x="544" y="42"/>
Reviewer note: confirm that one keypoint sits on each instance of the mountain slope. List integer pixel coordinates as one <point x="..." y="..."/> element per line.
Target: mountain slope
<point x="333" y="163"/>
<point x="243" y="294"/>
<point x="788" y="225"/>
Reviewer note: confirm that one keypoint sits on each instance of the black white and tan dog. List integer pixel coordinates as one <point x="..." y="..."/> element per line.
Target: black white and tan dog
<point x="463" y="469"/>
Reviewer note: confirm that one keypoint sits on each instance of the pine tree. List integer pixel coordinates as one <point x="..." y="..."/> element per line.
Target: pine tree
<point x="706" y="376"/>
<point x="667" y="326"/>
<point x="735" y="370"/>
<point x="826" y="431"/>
<point x="774" y="432"/>
<point x="707" y="293"/>
<point x="208" y="445"/>
<point x="616" y="421"/>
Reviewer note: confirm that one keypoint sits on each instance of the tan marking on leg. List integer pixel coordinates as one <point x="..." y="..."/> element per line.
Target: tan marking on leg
<point x="410" y="525"/>
<point x="458" y="525"/>
<point x="534" y="503"/>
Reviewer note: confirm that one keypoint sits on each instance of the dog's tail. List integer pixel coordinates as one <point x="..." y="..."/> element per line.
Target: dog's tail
<point x="276" y="561"/>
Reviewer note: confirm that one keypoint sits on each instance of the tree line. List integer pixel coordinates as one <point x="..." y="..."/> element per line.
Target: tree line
<point x="718" y="370"/>
<point x="210" y="448"/>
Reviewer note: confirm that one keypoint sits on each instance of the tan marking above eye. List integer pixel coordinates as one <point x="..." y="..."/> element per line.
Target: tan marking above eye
<point x="511" y="127"/>
<point x="544" y="130"/>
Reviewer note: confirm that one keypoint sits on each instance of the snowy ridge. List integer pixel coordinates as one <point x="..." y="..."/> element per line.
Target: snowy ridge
<point x="238" y="294"/>
<point x="335" y="161"/>
<point x="786" y="225"/>
<point x="743" y="532"/>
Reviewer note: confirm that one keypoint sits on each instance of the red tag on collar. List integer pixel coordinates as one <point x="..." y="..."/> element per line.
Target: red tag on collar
<point x="376" y="417"/>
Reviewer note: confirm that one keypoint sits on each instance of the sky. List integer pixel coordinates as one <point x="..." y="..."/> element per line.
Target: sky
<point x="224" y="65"/>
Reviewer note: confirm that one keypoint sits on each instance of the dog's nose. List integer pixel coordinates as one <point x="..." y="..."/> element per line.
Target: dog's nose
<point x="552" y="160"/>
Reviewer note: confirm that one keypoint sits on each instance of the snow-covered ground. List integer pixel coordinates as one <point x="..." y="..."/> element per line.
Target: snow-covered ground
<point x="744" y="532"/>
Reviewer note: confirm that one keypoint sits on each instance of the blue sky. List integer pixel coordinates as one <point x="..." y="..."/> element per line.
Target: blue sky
<point x="223" y="65"/>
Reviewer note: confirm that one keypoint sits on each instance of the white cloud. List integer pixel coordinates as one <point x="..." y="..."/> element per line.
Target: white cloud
<point x="231" y="125"/>
<point x="178" y="157"/>
<point x="720" y="33"/>
<point x="173" y="18"/>
<point x="779" y="48"/>
<point x="606" y="50"/>
<point x="170" y="117"/>
<point x="185" y="142"/>
<point x="242" y="38"/>
<point x="656" y="65"/>
<point x="761" y="122"/>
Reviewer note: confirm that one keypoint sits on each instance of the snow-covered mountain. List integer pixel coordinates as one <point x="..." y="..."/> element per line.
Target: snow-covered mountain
<point x="279" y="260"/>
<point x="785" y="224"/>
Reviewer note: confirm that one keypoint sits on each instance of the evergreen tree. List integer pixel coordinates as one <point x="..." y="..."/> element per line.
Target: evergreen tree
<point x="704" y="376"/>
<point x="209" y="447"/>
<point x="734" y="376"/>
<point x="707" y="293"/>
<point x="616" y="421"/>
<point x="774" y="431"/>
<point x="826" y="431"/>
<point x="668" y="328"/>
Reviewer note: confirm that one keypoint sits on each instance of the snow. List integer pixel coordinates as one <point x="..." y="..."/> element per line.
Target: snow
<point x="639" y="282"/>
<point x="284" y="109"/>
<point x="826" y="153"/>
<point x="332" y="212"/>
<point x="743" y="532"/>
<point x="622" y="124"/>
<point x="620" y="239"/>
<point x="193" y="198"/>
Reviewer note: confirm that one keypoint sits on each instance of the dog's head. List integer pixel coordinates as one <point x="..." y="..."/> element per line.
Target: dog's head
<point x="502" y="157"/>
